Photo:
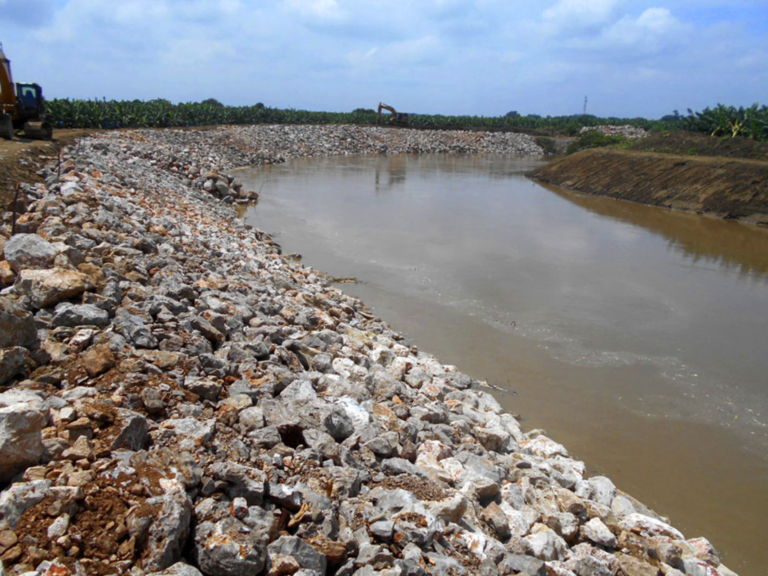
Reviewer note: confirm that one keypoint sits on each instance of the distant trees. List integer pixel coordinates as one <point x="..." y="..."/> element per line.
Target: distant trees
<point x="512" y="114"/>
<point x="674" y="117"/>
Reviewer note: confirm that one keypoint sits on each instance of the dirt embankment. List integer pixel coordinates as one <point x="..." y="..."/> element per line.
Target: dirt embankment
<point x="21" y="158"/>
<point x="723" y="187"/>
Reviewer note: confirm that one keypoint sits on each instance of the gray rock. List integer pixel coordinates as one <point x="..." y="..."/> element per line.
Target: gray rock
<point x="17" y="325"/>
<point x="546" y="545"/>
<point x="603" y="490"/>
<point x="80" y="315"/>
<point x="451" y="509"/>
<point x="79" y="392"/>
<point x="254" y="393"/>
<point x="228" y="548"/>
<point x="167" y="532"/>
<point x="306" y="556"/>
<point x="338" y="424"/>
<point x="29" y="251"/>
<point x="133" y="431"/>
<point x="445" y="565"/>
<point x="203" y="387"/>
<point x="267" y="437"/>
<point x="383" y="530"/>
<point x="196" y="432"/>
<point x="516" y="563"/>
<point x="178" y="569"/>
<point x="397" y="466"/>
<point x="13" y="361"/>
<point x="135" y="330"/>
<point x="17" y="499"/>
<point x="375" y="556"/>
<point x="251" y="419"/>
<point x="597" y="532"/>
<point x="21" y="443"/>
<point x="245" y="482"/>
<point x="287" y="496"/>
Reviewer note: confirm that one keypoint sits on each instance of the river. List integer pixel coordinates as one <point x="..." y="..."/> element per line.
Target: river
<point x="634" y="335"/>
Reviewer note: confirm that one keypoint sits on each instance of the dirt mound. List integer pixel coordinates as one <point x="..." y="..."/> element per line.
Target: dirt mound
<point x="722" y="187"/>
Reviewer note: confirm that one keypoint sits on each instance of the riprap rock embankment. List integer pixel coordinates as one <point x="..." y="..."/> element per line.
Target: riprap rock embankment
<point x="180" y="399"/>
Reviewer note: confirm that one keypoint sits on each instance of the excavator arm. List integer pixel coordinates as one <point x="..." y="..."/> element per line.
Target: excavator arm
<point x="397" y="118"/>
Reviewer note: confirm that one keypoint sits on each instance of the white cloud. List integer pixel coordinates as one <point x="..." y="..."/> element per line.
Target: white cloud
<point x="654" y="30"/>
<point x="328" y="10"/>
<point x="581" y="16"/>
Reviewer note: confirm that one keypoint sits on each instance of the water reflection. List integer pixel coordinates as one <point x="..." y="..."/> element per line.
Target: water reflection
<point x="390" y="173"/>
<point x="732" y="246"/>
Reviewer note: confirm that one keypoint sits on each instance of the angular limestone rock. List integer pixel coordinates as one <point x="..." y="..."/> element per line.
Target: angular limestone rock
<point x="48" y="287"/>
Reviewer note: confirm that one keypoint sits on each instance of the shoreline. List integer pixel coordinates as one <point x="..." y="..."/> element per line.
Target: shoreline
<point x="726" y="188"/>
<point x="167" y="371"/>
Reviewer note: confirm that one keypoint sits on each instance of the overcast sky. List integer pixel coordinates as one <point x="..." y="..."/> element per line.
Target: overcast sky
<point x="486" y="57"/>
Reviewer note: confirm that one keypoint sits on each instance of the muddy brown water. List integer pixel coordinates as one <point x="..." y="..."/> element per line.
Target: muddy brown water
<point x="634" y="335"/>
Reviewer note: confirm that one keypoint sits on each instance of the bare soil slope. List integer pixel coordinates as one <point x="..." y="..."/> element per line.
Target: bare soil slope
<point x="723" y="187"/>
<point x="21" y="158"/>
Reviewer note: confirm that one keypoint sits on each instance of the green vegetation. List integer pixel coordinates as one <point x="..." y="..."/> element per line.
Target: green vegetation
<point x="65" y="113"/>
<point x="593" y="139"/>
<point x="728" y="121"/>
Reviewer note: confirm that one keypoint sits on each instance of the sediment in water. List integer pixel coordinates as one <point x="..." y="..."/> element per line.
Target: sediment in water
<point x="722" y="187"/>
<point x="176" y="391"/>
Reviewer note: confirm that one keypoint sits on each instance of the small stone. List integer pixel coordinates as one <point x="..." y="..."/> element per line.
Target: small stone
<point x="307" y="557"/>
<point x="97" y="360"/>
<point x="59" y="527"/>
<point x="383" y="530"/>
<point x="7" y="275"/>
<point x="81" y="450"/>
<point x="597" y="532"/>
<point x="495" y="518"/>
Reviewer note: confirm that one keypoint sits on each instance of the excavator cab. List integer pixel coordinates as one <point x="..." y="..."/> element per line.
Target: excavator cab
<point x="21" y="105"/>
<point x="29" y="98"/>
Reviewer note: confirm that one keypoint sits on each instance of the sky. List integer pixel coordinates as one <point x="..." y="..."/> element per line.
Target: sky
<point x="481" y="57"/>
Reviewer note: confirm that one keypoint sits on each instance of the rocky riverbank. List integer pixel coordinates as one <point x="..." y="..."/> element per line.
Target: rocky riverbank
<point x="178" y="398"/>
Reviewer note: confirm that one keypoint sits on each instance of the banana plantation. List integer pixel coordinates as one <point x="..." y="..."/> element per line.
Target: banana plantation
<point x="66" y="113"/>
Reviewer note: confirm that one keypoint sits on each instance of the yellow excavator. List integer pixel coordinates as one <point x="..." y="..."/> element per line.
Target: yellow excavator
<point x="396" y="118"/>
<point x="21" y="106"/>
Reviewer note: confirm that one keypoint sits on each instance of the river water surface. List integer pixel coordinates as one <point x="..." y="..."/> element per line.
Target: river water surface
<point x="636" y="336"/>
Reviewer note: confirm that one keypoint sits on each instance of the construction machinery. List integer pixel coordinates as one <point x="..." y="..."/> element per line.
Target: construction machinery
<point x="21" y="106"/>
<point x="396" y="118"/>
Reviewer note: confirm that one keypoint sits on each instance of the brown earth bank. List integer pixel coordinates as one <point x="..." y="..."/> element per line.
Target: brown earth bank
<point x="731" y="188"/>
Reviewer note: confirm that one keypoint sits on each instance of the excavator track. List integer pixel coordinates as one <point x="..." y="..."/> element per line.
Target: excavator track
<point x="6" y="126"/>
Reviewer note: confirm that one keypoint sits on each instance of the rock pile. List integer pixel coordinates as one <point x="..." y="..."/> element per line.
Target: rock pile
<point x="180" y="399"/>
<point x="627" y="131"/>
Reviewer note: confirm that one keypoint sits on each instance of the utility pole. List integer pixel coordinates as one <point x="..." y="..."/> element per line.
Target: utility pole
<point x="585" y="105"/>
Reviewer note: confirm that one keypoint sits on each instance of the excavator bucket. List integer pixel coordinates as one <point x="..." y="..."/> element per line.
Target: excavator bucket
<point x="38" y="130"/>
